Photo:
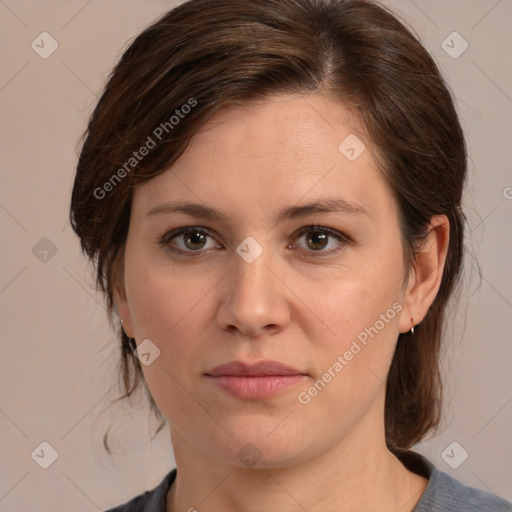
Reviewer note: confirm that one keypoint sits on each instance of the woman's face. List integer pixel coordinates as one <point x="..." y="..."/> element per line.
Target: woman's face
<point x="258" y="285"/>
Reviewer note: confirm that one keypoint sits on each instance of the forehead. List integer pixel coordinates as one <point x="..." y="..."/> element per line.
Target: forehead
<point x="280" y="149"/>
<point x="283" y="126"/>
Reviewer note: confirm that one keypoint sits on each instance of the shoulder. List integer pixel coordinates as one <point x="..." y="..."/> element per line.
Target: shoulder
<point x="450" y="494"/>
<point x="446" y="494"/>
<point x="149" y="501"/>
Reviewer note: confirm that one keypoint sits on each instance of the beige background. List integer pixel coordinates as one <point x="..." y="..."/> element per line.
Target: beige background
<point x="58" y="357"/>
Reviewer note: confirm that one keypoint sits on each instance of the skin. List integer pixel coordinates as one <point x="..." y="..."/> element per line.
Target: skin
<point x="294" y="304"/>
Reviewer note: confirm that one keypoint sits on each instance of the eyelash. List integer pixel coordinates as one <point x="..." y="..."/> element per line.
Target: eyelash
<point x="315" y="229"/>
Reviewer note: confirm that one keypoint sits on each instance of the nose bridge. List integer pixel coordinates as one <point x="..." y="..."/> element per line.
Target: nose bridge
<point x="253" y="298"/>
<point x="252" y="262"/>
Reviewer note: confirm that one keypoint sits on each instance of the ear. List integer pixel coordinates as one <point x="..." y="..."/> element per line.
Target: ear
<point x="122" y="307"/>
<point x="426" y="274"/>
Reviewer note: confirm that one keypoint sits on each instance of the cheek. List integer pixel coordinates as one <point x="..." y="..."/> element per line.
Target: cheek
<point x="163" y="296"/>
<point x="350" y="304"/>
<point x="170" y="311"/>
<point x="362" y="316"/>
<point x="169" y="305"/>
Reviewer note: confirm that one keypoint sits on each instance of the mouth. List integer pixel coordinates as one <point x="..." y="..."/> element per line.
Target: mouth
<point x="261" y="380"/>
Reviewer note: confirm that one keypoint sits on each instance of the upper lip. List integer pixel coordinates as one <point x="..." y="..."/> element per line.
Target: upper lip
<point x="259" y="369"/>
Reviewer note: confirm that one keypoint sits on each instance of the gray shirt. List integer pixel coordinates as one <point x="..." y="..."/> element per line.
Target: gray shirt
<point x="442" y="494"/>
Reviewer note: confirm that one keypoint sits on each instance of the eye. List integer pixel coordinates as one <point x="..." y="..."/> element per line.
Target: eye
<point x="317" y="239"/>
<point x="193" y="240"/>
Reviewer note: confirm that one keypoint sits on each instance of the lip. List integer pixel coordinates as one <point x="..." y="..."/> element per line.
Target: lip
<point x="260" y="380"/>
<point x="259" y="369"/>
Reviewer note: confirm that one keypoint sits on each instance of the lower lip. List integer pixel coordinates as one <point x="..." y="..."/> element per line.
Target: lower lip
<point x="256" y="387"/>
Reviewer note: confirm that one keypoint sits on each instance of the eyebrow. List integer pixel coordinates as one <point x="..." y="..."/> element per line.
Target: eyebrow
<point x="322" y="205"/>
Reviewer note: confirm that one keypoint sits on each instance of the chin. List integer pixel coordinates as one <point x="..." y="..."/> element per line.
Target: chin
<point x="257" y="446"/>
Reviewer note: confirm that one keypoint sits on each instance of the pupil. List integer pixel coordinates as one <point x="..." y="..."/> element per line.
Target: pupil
<point x="194" y="236"/>
<point x="322" y="236"/>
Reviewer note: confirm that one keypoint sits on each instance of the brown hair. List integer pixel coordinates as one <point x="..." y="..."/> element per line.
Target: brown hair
<point x="225" y="52"/>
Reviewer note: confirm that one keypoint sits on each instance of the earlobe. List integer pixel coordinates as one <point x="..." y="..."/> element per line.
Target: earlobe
<point x="426" y="274"/>
<point x="123" y="310"/>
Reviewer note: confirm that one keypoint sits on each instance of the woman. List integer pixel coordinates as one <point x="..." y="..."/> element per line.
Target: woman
<point x="271" y="191"/>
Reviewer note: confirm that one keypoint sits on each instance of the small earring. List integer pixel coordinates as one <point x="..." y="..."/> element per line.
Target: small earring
<point x="412" y="328"/>
<point x="122" y="321"/>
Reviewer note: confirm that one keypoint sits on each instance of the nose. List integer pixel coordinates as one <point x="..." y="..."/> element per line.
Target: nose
<point x="255" y="297"/>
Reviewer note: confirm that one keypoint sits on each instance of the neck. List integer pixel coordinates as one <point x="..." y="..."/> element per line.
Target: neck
<point x="358" y="473"/>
